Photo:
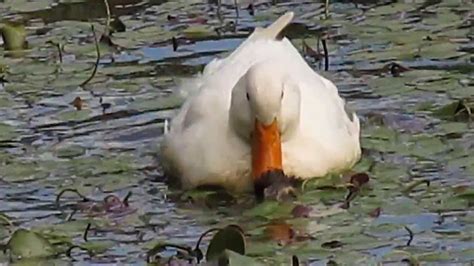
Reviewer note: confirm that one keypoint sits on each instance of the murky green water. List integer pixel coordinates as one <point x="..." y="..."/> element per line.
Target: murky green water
<point x="46" y="145"/>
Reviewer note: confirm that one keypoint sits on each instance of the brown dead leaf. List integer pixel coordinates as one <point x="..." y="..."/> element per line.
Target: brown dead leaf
<point x="281" y="232"/>
<point x="356" y="181"/>
<point x="311" y="52"/>
<point x="394" y="68"/>
<point x="375" y="212"/>
<point x="359" y="179"/>
<point x="78" y="103"/>
<point x="301" y="211"/>
<point x="460" y="189"/>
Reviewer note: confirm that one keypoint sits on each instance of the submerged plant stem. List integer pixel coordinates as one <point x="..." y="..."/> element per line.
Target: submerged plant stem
<point x="107" y="22"/>
<point x="127" y="197"/>
<point x="219" y="15"/>
<point x="295" y="261"/>
<point x="96" y="61"/>
<point x="409" y="188"/>
<point x="326" y="56"/>
<point x="86" y="232"/>
<point x="71" y="248"/>
<point x="410" y="232"/>
<point x="326" y="9"/>
<point x="69" y="217"/>
<point x="203" y="235"/>
<point x="236" y="5"/>
<point x="60" y="52"/>
<point x="58" y="198"/>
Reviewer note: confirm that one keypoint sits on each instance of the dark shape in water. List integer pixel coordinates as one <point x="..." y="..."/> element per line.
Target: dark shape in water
<point x="332" y="244"/>
<point x="275" y="185"/>
<point x="172" y="18"/>
<point x="295" y="261"/>
<point x="104" y="106"/>
<point x="116" y="25"/>
<point x="251" y="9"/>
<point x="3" y="80"/>
<point x="174" y="42"/>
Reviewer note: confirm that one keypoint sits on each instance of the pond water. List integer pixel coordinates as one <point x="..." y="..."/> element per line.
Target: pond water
<point x="416" y="129"/>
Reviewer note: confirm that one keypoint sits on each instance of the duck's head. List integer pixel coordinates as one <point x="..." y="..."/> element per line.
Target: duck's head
<point x="264" y="112"/>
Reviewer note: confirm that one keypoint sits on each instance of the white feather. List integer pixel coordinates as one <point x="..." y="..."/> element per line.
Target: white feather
<point x="202" y="148"/>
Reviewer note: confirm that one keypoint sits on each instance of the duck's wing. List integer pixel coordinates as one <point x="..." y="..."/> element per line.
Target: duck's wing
<point x="328" y="134"/>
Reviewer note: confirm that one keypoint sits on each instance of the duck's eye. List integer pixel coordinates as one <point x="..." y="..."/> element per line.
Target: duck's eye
<point x="248" y="97"/>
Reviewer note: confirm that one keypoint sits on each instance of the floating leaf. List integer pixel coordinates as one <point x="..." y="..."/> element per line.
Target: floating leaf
<point x="468" y="196"/>
<point x="230" y="257"/>
<point x="6" y="131"/>
<point x="70" y="151"/>
<point x="415" y="184"/>
<point x="14" y="36"/>
<point x="28" y="244"/>
<point x="228" y="238"/>
<point x="97" y="247"/>
<point x="457" y="109"/>
<point x="17" y="171"/>
<point x="5" y="219"/>
<point x="270" y="210"/>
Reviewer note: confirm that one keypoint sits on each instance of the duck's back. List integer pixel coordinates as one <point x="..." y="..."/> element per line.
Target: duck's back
<point x="210" y="92"/>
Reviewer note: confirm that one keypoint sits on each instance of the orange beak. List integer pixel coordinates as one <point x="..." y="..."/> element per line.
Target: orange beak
<point x="266" y="150"/>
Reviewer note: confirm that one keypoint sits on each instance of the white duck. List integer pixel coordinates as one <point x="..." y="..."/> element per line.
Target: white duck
<point x="260" y="109"/>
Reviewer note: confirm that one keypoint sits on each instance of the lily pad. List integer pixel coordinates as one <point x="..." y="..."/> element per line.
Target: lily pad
<point x="70" y="151"/>
<point x="22" y="171"/>
<point x="14" y="36"/>
<point x="230" y="238"/>
<point x="7" y="132"/>
<point x="229" y="257"/>
<point x="28" y="244"/>
<point x="270" y="210"/>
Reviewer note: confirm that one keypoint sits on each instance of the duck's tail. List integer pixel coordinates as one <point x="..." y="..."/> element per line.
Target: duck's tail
<point x="274" y="31"/>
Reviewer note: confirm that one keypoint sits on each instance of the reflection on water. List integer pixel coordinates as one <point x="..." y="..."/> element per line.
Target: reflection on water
<point x="89" y="9"/>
